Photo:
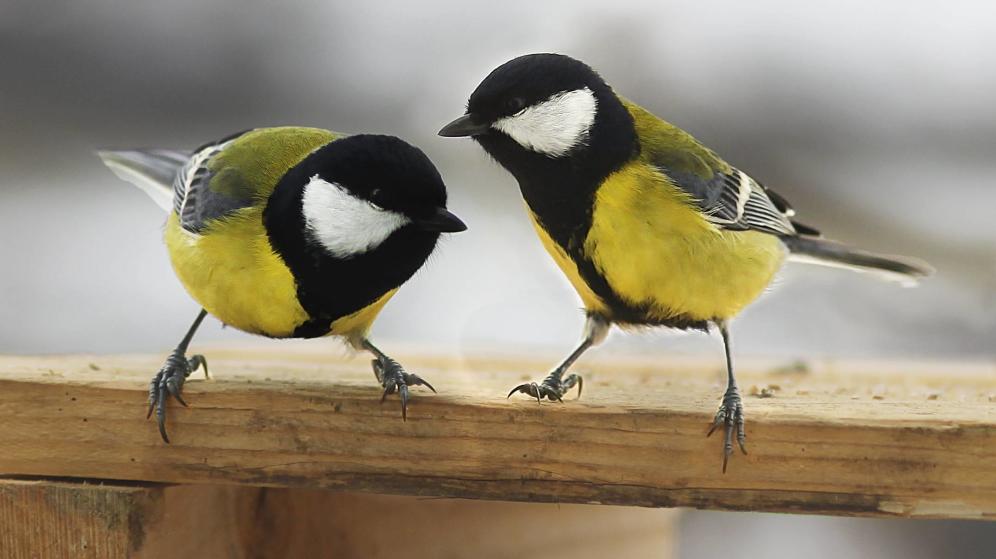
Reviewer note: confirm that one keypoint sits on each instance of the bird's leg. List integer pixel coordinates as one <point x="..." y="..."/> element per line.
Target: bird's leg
<point x="555" y="385"/>
<point x="731" y="410"/>
<point x="169" y="380"/>
<point x="393" y="377"/>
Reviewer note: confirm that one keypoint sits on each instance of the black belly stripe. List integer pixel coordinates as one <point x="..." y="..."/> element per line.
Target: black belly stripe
<point x="570" y="223"/>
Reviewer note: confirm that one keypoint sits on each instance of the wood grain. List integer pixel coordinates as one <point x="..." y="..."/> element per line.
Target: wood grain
<point x="882" y="439"/>
<point x="47" y="519"/>
<point x="51" y="520"/>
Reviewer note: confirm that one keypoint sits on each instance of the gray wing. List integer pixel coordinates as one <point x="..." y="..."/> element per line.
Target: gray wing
<point x="735" y="201"/>
<point x="194" y="201"/>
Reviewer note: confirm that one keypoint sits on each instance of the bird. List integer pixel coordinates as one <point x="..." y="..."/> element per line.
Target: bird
<point x="292" y="232"/>
<point x="650" y="227"/>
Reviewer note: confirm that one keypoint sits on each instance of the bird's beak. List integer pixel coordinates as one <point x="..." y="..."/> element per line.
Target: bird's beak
<point x="464" y="126"/>
<point x="442" y="221"/>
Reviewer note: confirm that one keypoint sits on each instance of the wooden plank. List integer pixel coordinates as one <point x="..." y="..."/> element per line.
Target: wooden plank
<point x="43" y="518"/>
<point x="52" y="520"/>
<point x="825" y="437"/>
<point x="309" y="523"/>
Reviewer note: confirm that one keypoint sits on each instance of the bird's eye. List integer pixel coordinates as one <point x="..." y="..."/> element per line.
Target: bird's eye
<point x="515" y="104"/>
<point x="375" y="199"/>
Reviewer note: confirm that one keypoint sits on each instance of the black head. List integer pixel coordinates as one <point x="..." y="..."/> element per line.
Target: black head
<point x="388" y="173"/>
<point x="545" y="106"/>
<point x="355" y="219"/>
<point x="527" y="81"/>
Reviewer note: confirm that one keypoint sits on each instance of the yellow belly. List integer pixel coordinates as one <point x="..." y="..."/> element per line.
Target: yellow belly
<point x="656" y="252"/>
<point x="235" y="275"/>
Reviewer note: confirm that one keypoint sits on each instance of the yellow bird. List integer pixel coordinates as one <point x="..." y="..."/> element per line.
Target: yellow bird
<point x="292" y="232"/>
<point x="651" y="227"/>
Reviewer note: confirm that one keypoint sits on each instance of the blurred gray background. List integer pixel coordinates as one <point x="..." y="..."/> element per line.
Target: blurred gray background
<point x="876" y="120"/>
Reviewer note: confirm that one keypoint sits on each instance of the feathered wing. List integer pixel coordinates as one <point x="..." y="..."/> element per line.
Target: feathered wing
<point x="240" y="172"/>
<point x="732" y="200"/>
<point x="204" y="191"/>
<point x="181" y="181"/>
<point x="221" y="177"/>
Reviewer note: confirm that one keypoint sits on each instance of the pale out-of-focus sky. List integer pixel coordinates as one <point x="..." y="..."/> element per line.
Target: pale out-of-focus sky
<point x="875" y="119"/>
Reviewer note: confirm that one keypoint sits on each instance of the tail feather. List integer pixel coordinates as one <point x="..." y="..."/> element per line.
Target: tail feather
<point x="825" y="252"/>
<point x="152" y="170"/>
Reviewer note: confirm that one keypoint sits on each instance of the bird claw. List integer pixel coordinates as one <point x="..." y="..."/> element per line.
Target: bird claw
<point x="393" y="377"/>
<point x="552" y="387"/>
<point x="730" y="416"/>
<point x="168" y="382"/>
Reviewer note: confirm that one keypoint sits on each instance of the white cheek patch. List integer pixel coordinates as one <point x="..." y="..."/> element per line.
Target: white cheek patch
<point x="344" y="224"/>
<point x="555" y="126"/>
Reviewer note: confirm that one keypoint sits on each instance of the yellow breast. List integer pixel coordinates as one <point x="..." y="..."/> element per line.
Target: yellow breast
<point x="233" y="272"/>
<point x="654" y="249"/>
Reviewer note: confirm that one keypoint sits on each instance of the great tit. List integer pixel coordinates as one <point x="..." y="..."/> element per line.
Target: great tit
<point x="651" y="227"/>
<point x="292" y="232"/>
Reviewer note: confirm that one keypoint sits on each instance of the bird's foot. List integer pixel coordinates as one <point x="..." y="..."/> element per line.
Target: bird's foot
<point x="553" y="387"/>
<point x="731" y="416"/>
<point x="393" y="377"/>
<point x="169" y="382"/>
